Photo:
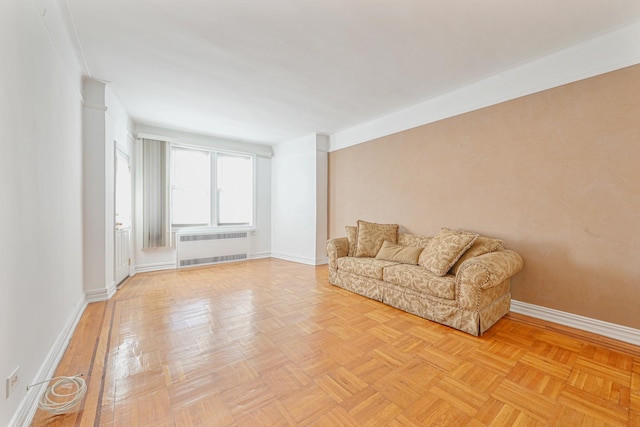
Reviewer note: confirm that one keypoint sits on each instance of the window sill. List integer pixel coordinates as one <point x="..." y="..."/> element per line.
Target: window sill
<point x="196" y="230"/>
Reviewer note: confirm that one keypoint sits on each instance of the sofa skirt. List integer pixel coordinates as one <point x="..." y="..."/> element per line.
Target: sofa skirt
<point x="446" y="312"/>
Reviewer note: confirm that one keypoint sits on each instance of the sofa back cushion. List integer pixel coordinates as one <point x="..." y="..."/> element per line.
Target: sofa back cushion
<point x="399" y="253"/>
<point x="417" y="240"/>
<point x="445" y="249"/>
<point x="352" y="237"/>
<point x="372" y="235"/>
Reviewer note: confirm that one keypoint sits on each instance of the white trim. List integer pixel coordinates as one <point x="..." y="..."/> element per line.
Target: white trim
<point x="606" y="329"/>
<point x="122" y="152"/>
<point x="111" y="289"/>
<point x="611" y="51"/>
<point x="299" y="260"/>
<point x="97" y="295"/>
<point x="260" y="255"/>
<point x="29" y="404"/>
<point x="158" y="266"/>
<point x="118" y="124"/>
<point x="175" y="230"/>
<point x="155" y="266"/>
<point x="94" y="106"/>
<point x="211" y="142"/>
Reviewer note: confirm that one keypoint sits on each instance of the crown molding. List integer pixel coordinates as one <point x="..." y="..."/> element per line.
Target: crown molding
<point x="608" y="52"/>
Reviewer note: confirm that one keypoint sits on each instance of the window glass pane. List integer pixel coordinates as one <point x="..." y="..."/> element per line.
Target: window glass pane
<point x="235" y="189"/>
<point x="190" y="187"/>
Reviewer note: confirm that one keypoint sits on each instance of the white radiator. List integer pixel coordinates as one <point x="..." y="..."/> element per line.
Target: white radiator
<point x="211" y="248"/>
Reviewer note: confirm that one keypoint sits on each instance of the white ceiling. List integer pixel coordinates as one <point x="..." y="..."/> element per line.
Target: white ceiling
<point x="271" y="71"/>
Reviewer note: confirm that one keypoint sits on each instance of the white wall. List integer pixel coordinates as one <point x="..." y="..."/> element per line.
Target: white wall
<point x="165" y="258"/>
<point x="299" y="200"/>
<point x="41" y="288"/>
<point x="119" y="123"/>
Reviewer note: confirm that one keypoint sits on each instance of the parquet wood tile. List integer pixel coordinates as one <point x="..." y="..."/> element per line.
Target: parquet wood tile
<point x="431" y="410"/>
<point x="271" y="343"/>
<point x="336" y="417"/>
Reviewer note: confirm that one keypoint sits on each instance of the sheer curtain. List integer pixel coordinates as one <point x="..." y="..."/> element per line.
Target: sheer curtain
<point x="155" y="222"/>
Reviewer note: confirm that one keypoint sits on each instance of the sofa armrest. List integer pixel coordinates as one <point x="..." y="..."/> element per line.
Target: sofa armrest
<point x="336" y="248"/>
<point x="484" y="272"/>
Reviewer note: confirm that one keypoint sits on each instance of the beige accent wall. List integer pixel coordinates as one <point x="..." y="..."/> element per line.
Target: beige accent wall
<point x="556" y="175"/>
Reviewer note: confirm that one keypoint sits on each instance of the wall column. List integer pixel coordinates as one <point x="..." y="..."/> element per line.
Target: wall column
<point x="98" y="194"/>
<point x="299" y="200"/>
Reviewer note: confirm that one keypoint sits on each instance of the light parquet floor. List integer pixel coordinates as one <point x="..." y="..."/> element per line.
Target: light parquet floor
<point x="269" y="342"/>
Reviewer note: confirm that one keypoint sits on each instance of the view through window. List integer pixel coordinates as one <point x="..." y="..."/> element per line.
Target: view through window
<point x="210" y="188"/>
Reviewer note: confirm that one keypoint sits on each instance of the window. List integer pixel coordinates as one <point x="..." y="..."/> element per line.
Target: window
<point x="235" y="189"/>
<point x="210" y="189"/>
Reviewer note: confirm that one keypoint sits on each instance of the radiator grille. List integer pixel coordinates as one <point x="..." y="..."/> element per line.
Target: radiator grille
<point x="213" y="236"/>
<point x="211" y="248"/>
<point x="212" y="260"/>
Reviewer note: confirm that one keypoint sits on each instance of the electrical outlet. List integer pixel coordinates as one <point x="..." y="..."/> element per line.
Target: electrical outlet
<point x="12" y="381"/>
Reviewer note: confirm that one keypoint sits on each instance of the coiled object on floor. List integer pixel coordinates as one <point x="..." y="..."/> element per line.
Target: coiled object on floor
<point x="57" y="402"/>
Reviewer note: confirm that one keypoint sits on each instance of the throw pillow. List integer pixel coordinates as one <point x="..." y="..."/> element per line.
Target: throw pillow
<point x="445" y="249"/>
<point x="352" y="237"/>
<point x="483" y="245"/>
<point x="372" y="235"/>
<point x="399" y="253"/>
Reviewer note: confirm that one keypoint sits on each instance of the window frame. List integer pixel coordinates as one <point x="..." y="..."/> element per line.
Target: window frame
<point x="214" y="223"/>
<point x="216" y="191"/>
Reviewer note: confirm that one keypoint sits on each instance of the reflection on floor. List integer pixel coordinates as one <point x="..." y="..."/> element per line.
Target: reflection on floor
<point x="269" y="342"/>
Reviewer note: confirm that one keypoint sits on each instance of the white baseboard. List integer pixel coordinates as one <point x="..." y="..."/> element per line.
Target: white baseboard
<point x="606" y="329"/>
<point x="260" y="255"/>
<point x="146" y="268"/>
<point x="156" y="266"/>
<point x="97" y="295"/>
<point x="298" y="259"/>
<point x="29" y="404"/>
<point x="111" y="289"/>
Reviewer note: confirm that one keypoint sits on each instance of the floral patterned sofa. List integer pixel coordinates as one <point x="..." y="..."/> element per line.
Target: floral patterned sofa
<point x="456" y="278"/>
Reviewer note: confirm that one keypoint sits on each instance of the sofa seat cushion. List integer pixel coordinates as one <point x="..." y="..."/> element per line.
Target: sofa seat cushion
<point x="368" y="267"/>
<point x="420" y="279"/>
